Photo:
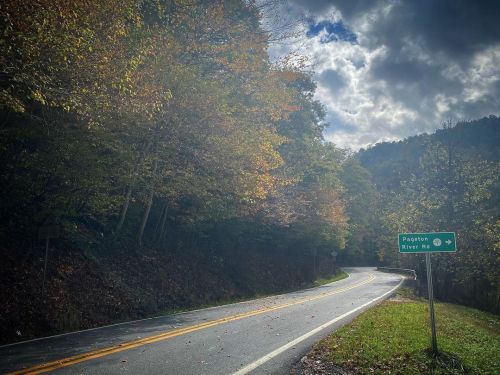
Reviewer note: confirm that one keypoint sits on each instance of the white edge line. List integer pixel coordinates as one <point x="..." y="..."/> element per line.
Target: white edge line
<point x="252" y="366"/>
<point x="159" y="316"/>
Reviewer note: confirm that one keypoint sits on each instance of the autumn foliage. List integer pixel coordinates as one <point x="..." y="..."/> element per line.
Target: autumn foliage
<point x="143" y="119"/>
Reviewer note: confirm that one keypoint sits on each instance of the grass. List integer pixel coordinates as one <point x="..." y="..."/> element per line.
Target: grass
<point x="331" y="279"/>
<point x="394" y="338"/>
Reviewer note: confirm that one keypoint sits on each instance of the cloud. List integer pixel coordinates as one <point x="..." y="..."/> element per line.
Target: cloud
<point x="452" y="29"/>
<point x="332" y="80"/>
<point x="389" y="69"/>
<point x="346" y="7"/>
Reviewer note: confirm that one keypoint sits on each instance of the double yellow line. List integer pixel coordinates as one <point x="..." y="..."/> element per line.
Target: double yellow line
<point x="64" y="362"/>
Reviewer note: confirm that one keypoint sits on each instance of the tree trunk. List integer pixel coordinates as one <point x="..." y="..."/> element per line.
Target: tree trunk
<point x="130" y="187"/>
<point x="314" y="267"/>
<point x="148" y="206"/>
<point x="163" y="225"/>
<point x="124" y="208"/>
<point x="159" y="221"/>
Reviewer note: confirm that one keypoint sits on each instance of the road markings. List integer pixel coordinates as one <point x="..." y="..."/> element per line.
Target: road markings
<point x="64" y="362"/>
<point x="252" y="366"/>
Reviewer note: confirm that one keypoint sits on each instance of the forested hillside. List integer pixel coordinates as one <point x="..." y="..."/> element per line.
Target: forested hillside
<point x="172" y="164"/>
<point x="178" y="165"/>
<point x="446" y="181"/>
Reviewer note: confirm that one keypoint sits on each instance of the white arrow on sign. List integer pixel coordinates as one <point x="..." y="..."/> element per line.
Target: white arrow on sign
<point x="448" y="242"/>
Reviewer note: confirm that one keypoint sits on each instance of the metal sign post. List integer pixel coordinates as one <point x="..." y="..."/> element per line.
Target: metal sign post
<point x="428" y="243"/>
<point x="430" y="292"/>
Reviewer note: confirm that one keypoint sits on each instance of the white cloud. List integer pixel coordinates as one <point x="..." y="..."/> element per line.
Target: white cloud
<point x="399" y="79"/>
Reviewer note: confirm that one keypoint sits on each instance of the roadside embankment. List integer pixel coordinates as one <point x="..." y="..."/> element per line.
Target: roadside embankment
<point x="87" y="289"/>
<point x="394" y="338"/>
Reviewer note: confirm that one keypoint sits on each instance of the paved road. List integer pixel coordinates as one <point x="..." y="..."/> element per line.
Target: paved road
<point x="263" y="336"/>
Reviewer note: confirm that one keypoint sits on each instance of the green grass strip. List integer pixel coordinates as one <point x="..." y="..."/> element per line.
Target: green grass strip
<point x="394" y="338"/>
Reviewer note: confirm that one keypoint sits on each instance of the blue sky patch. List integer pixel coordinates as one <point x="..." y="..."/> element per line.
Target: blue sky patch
<point x="335" y="31"/>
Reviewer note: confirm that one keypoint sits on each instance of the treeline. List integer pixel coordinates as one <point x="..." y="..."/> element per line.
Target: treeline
<point x="136" y="116"/>
<point x="446" y="181"/>
<point x="182" y="166"/>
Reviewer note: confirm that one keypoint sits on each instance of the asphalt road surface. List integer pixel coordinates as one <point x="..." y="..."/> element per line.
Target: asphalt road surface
<point x="263" y="336"/>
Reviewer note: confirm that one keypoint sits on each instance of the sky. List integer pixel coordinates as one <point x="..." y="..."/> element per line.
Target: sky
<point x="387" y="69"/>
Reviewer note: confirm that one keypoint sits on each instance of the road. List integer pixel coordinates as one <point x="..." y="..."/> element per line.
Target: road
<point x="262" y="336"/>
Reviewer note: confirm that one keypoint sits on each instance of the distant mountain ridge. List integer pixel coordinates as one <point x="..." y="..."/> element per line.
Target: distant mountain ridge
<point x="445" y="181"/>
<point x="390" y="162"/>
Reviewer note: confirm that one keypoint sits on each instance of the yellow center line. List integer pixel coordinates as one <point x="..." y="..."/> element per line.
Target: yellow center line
<point x="64" y="362"/>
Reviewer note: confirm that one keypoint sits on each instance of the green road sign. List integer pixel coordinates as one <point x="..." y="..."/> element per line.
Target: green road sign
<point x="427" y="242"/>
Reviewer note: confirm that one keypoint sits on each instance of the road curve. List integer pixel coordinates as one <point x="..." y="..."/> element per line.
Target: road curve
<point x="262" y="336"/>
